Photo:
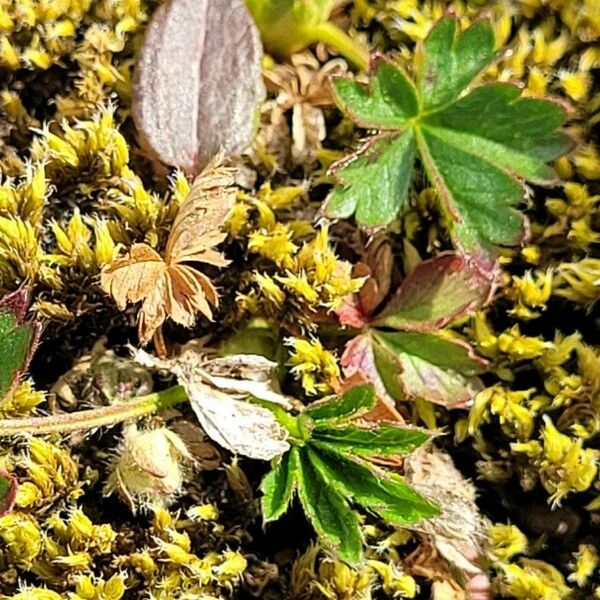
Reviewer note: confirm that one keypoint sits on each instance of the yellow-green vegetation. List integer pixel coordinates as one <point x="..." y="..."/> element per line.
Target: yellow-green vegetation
<point x="353" y="253"/>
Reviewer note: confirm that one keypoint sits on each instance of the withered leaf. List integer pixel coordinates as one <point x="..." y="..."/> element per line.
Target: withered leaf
<point x="218" y="389"/>
<point x="198" y="83"/>
<point x="168" y="287"/>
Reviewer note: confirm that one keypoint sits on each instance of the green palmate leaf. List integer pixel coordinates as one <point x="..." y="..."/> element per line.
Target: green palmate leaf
<point x="278" y="486"/>
<point x="383" y="440"/>
<point x="475" y="148"/>
<point x="328" y="470"/>
<point x="427" y="366"/>
<point x="328" y="511"/>
<point x="15" y="346"/>
<point x="435" y="293"/>
<point x="380" y="491"/>
<point x="356" y="401"/>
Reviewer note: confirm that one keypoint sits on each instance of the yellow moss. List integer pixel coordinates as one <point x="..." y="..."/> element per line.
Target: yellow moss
<point x="313" y="365"/>
<point x="507" y="541"/>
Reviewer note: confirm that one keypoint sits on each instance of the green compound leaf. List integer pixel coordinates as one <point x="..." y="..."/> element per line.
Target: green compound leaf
<point x="328" y="511"/>
<point x="16" y="341"/>
<point x="354" y="402"/>
<point x="278" y="486"/>
<point x="384" y="440"/>
<point x="375" y="489"/>
<point x="476" y="148"/>
<point x="328" y="470"/>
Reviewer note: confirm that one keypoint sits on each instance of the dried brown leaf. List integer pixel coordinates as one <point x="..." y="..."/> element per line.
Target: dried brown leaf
<point x="218" y="389"/>
<point x="167" y="287"/>
<point x="198" y="81"/>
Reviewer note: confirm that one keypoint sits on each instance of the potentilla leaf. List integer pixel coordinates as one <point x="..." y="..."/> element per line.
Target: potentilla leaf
<point x="476" y="148"/>
<point x="17" y="339"/>
<point x="382" y="440"/>
<point x="358" y="400"/>
<point x="278" y="486"/>
<point x="437" y="292"/>
<point x="328" y="511"/>
<point x="378" y="490"/>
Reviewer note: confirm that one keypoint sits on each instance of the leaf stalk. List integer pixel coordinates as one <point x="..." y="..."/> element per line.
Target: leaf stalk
<point x="98" y="417"/>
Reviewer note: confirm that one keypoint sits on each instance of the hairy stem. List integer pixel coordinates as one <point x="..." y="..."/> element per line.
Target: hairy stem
<point x="333" y="36"/>
<point x="97" y="417"/>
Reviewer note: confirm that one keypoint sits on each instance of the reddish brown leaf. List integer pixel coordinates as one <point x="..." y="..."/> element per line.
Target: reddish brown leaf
<point x="437" y="292"/>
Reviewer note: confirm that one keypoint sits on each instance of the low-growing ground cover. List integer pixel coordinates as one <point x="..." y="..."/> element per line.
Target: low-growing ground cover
<point x="298" y="299"/>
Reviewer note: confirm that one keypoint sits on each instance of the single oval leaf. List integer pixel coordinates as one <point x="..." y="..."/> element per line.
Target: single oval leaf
<point x="198" y="82"/>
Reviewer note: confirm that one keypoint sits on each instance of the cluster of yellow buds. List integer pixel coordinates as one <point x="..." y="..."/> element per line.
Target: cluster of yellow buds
<point x="97" y="36"/>
<point x="315" y="367"/>
<point x="49" y="473"/>
<point x="561" y="462"/>
<point x="169" y="566"/>
<point x="316" y="572"/>
<point x="523" y="578"/>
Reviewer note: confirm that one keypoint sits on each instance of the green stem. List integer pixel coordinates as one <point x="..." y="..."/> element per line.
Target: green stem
<point x="97" y="417"/>
<point x="333" y="36"/>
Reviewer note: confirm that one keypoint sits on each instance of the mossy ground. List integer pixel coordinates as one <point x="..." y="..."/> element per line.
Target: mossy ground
<point x="77" y="191"/>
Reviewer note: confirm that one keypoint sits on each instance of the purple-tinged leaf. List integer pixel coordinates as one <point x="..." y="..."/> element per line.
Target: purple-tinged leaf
<point x="198" y="81"/>
<point x="8" y="492"/>
<point x="437" y="292"/>
<point x="17" y="340"/>
<point x="427" y="366"/>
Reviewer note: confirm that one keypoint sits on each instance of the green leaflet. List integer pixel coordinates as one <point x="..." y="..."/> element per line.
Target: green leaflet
<point x="354" y="402"/>
<point x="384" y="440"/>
<point x="278" y="486"/>
<point x="475" y="148"/>
<point x="435" y="293"/>
<point x="328" y="511"/>
<point x="382" y="492"/>
<point x="376" y="181"/>
<point x="427" y="366"/>
<point x="15" y="344"/>
<point x="328" y="468"/>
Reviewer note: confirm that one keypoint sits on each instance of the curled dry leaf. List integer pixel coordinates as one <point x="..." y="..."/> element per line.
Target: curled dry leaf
<point x="198" y="81"/>
<point x="458" y="535"/>
<point x="218" y="389"/>
<point x="169" y="287"/>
